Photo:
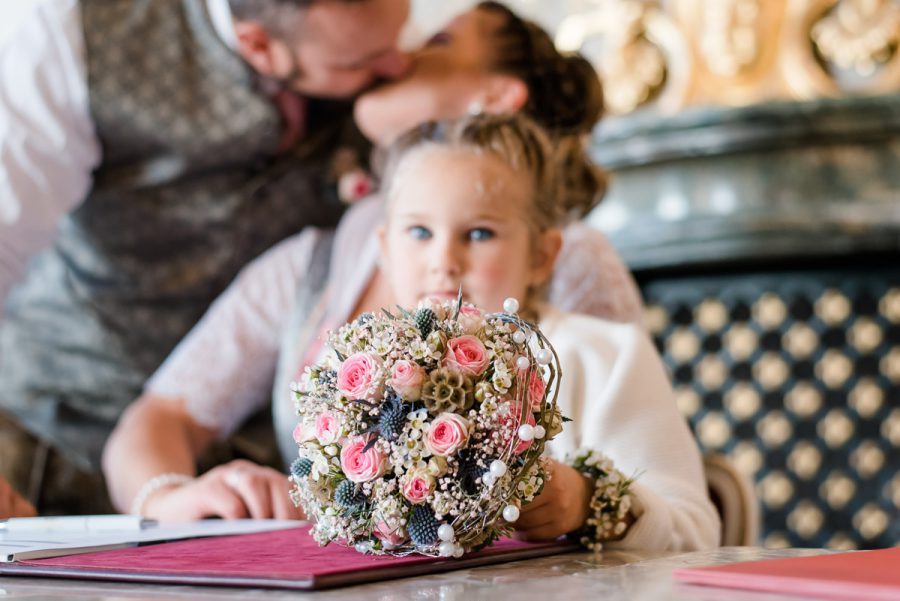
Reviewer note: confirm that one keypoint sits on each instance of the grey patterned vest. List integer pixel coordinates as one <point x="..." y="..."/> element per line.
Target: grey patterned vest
<point x="188" y="192"/>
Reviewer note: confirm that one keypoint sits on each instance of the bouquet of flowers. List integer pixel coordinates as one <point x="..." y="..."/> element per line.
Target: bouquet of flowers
<point x="423" y="429"/>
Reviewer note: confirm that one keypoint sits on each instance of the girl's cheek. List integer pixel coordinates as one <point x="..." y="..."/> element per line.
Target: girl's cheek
<point x="496" y="270"/>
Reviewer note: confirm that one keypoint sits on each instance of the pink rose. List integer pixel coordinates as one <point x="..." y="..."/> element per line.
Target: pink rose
<point x="536" y="388"/>
<point x="357" y="377"/>
<point x="416" y="485"/>
<point x="447" y="434"/>
<point x="513" y="420"/>
<point x="392" y="534"/>
<point x="328" y="428"/>
<point x="359" y="465"/>
<point x="407" y="378"/>
<point x="467" y="355"/>
<point x="470" y="319"/>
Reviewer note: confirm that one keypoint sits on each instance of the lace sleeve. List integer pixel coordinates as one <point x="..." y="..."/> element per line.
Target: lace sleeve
<point x="224" y="368"/>
<point x="590" y="277"/>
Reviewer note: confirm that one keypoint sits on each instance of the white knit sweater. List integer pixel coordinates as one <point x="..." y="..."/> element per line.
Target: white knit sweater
<point x="616" y="391"/>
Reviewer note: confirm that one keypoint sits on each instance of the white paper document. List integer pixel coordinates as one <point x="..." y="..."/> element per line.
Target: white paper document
<point x="20" y="546"/>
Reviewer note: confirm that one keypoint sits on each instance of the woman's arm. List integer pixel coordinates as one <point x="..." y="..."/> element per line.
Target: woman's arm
<point x="156" y="441"/>
<point x="154" y="436"/>
<point x="217" y="376"/>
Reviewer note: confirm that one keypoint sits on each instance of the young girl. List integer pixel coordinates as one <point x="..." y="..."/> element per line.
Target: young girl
<point x="474" y="204"/>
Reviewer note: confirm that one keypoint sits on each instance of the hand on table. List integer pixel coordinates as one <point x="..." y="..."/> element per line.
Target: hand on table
<point x="235" y="490"/>
<point x="562" y="506"/>
<point x="12" y="505"/>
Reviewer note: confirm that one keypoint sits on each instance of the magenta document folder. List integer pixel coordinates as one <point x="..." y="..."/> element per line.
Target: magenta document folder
<point x="288" y="559"/>
<point x="856" y="576"/>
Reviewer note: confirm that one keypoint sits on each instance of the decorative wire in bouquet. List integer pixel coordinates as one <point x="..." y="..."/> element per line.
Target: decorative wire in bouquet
<point x="423" y="429"/>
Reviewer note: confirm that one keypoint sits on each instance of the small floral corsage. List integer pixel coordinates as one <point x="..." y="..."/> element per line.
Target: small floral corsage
<point x="354" y="181"/>
<point x="610" y="502"/>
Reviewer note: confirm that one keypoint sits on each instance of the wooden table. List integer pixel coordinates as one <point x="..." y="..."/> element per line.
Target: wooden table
<point x="611" y="576"/>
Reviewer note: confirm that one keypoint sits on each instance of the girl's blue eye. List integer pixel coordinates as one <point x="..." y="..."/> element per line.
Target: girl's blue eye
<point x="480" y="234"/>
<point x="419" y="233"/>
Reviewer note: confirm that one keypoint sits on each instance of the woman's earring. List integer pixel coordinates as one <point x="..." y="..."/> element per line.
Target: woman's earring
<point x="475" y="108"/>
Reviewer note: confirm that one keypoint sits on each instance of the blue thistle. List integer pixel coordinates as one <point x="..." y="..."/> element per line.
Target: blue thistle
<point x="349" y="495"/>
<point x="425" y="320"/>
<point x="301" y="467"/>
<point x="423" y="526"/>
<point x="469" y="471"/>
<point x="391" y="417"/>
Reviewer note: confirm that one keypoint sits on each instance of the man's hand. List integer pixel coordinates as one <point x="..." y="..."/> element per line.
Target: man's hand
<point x="12" y="505"/>
<point x="562" y="506"/>
<point x="235" y="490"/>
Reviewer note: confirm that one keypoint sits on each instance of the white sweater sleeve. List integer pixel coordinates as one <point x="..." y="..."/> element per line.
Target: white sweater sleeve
<point x="616" y="390"/>
<point x="224" y="368"/>
<point x="48" y="147"/>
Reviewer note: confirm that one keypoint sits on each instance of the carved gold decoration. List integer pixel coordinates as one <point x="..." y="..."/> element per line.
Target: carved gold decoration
<point x="732" y="53"/>
<point x="667" y="55"/>
<point x="730" y="41"/>
<point x="861" y="35"/>
<point x="637" y="50"/>
<point x="817" y="63"/>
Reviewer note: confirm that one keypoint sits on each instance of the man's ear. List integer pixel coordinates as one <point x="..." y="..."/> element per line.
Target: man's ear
<point x="546" y="250"/>
<point x="504" y="94"/>
<point x="255" y="46"/>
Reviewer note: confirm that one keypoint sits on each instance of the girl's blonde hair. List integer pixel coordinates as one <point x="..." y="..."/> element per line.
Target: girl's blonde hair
<point x="525" y="148"/>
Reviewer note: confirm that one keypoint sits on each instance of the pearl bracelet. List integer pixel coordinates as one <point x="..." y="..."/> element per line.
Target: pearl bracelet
<point x="610" y="502"/>
<point x="154" y="484"/>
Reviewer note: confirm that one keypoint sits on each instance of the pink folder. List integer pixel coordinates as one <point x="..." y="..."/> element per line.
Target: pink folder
<point x="288" y="559"/>
<point x="856" y="576"/>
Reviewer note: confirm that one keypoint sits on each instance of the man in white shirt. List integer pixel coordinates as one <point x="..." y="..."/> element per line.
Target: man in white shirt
<point x="158" y="146"/>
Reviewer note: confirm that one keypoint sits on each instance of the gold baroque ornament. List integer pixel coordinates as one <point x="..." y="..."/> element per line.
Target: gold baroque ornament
<point x="729" y="38"/>
<point x="734" y="49"/>
<point x="638" y="51"/>
<point x="837" y="47"/>
<point x="666" y="55"/>
<point x="859" y="35"/>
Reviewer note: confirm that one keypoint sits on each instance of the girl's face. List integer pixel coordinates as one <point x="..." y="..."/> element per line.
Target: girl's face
<point x="447" y="77"/>
<point x="456" y="218"/>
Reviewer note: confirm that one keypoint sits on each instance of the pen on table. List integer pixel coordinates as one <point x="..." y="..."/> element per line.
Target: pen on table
<point x="80" y="523"/>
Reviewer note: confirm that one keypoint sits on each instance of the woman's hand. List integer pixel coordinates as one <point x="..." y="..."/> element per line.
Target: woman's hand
<point x="11" y="504"/>
<point x="235" y="490"/>
<point x="563" y="505"/>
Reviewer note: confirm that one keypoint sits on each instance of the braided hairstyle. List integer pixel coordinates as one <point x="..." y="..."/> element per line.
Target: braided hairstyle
<point x="564" y="97"/>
